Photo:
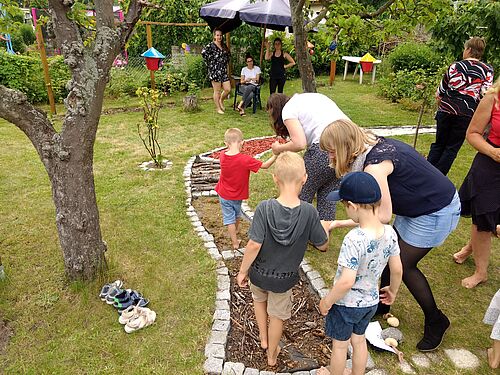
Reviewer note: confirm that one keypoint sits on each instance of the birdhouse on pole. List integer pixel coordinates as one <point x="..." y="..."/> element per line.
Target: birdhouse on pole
<point x="153" y="58"/>
<point x="367" y="63"/>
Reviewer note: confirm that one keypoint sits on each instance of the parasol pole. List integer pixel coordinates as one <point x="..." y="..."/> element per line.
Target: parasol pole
<point x="262" y="44"/>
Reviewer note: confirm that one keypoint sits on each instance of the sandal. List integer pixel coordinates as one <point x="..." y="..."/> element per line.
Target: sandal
<point x="145" y="318"/>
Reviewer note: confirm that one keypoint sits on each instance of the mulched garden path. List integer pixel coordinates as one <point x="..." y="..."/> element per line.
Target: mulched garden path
<point x="305" y="346"/>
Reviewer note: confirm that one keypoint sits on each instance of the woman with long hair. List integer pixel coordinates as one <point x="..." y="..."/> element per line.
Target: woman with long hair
<point x="280" y="61"/>
<point x="216" y="56"/>
<point x="425" y="202"/>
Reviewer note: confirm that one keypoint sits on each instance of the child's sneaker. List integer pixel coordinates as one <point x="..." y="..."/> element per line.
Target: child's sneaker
<point x="105" y="289"/>
<point x="112" y="293"/>
<point x="146" y="317"/>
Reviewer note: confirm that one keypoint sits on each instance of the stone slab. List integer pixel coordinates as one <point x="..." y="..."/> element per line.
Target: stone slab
<point x="233" y="368"/>
<point x="213" y="366"/>
<point x="218" y="337"/>
<point x="462" y="358"/>
<point x="421" y="360"/>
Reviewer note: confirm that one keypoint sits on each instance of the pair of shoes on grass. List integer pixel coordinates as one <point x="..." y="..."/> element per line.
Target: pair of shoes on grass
<point x="135" y="318"/>
<point x="113" y="294"/>
<point x="109" y="291"/>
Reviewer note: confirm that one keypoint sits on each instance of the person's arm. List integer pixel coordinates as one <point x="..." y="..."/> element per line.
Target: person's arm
<point x="242" y="79"/>
<point x="251" y="251"/>
<point x="388" y="293"/>
<point x="342" y="286"/>
<point x="291" y="61"/>
<point x="269" y="53"/>
<point x="477" y="126"/>
<point x="348" y="223"/>
<point x="268" y="162"/>
<point x="297" y="141"/>
<point x="381" y="171"/>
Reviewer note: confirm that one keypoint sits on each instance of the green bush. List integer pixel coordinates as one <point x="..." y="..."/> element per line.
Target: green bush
<point x="25" y="73"/>
<point x="196" y="70"/>
<point x="126" y="81"/>
<point x="18" y="44"/>
<point x="27" y="33"/>
<point x="410" y="56"/>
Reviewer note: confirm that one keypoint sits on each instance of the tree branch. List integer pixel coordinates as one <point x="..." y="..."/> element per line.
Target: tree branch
<point x="15" y="108"/>
<point x="133" y="14"/>
<point x="378" y="12"/>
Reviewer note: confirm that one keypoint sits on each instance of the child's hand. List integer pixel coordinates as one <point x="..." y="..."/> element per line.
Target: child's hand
<point x="242" y="280"/>
<point x="323" y="307"/>
<point x="387" y="296"/>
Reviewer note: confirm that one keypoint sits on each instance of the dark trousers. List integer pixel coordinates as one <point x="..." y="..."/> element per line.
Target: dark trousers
<point x="276" y="82"/>
<point x="450" y="136"/>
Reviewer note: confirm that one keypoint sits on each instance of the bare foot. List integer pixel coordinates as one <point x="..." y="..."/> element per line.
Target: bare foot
<point x="498" y="230"/>
<point x="237" y="245"/>
<point x="491" y="359"/>
<point x="463" y="254"/>
<point x="263" y="343"/>
<point x="220" y="111"/>
<point x="221" y="105"/>
<point x="473" y="281"/>
<point x="322" y="371"/>
<point x="347" y="371"/>
<point x="273" y="360"/>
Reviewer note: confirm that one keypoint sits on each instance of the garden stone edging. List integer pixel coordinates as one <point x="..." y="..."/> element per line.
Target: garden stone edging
<point x="215" y="349"/>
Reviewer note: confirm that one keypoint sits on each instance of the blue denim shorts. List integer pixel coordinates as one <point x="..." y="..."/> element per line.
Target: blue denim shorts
<point x="342" y="321"/>
<point x="429" y="230"/>
<point x="231" y="210"/>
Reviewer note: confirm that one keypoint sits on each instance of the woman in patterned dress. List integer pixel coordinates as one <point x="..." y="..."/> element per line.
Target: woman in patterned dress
<point x="216" y="56"/>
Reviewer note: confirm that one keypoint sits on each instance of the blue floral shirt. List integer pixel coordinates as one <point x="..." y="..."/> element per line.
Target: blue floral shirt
<point x="368" y="256"/>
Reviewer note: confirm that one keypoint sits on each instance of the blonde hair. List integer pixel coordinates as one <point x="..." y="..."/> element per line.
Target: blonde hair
<point x="289" y="167"/>
<point x="233" y="135"/>
<point x="348" y="141"/>
<point x="495" y="90"/>
<point x="477" y="46"/>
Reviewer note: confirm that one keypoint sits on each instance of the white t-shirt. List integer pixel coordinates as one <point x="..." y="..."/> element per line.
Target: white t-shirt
<point x="314" y="112"/>
<point x="250" y="73"/>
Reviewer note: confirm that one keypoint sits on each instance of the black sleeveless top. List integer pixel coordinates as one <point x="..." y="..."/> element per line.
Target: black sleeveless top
<point x="277" y="66"/>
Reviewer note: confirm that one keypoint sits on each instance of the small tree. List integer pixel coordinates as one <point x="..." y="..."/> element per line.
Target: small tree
<point x="151" y="108"/>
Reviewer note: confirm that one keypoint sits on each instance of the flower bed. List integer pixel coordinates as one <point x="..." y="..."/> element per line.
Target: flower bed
<point x="252" y="147"/>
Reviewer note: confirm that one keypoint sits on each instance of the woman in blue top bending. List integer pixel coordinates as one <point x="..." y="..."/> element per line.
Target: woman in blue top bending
<point x="425" y="203"/>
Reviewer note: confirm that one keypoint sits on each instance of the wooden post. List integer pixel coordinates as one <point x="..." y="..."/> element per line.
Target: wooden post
<point x="262" y="47"/>
<point x="230" y="65"/>
<point x="149" y="38"/>
<point x="333" y="67"/>
<point x="46" y="75"/>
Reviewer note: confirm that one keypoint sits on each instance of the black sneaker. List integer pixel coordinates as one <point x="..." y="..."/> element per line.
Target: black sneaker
<point x="434" y="333"/>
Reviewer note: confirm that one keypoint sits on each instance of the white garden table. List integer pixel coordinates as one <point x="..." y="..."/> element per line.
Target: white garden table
<point x="355" y="60"/>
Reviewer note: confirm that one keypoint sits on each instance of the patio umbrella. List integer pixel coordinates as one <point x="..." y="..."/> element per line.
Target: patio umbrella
<point x="271" y="14"/>
<point x="223" y="14"/>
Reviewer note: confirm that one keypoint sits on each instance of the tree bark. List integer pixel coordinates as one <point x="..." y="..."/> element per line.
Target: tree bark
<point x="68" y="155"/>
<point x="303" y="58"/>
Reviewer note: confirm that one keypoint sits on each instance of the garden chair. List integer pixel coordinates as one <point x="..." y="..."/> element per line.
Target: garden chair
<point x="256" y="95"/>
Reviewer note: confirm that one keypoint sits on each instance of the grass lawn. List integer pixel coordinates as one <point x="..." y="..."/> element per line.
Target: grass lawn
<point x="64" y="328"/>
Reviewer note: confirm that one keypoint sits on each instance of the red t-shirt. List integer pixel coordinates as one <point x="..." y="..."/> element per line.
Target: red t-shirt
<point x="235" y="175"/>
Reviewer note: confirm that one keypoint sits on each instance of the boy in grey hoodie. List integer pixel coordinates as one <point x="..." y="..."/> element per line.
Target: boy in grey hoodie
<point x="278" y="238"/>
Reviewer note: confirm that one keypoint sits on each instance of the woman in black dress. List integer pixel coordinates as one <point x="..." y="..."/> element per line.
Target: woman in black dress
<point x="216" y="56"/>
<point x="277" y="75"/>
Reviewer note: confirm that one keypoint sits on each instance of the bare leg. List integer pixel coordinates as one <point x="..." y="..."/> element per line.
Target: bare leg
<point x="338" y="357"/>
<point x="494" y="354"/>
<point x="481" y="245"/>
<point x="462" y="255"/>
<point x="359" y="354"/>
<point x="226" y="86"/>
<point x="261" y="317"/>
<point x="217" y="87"/>
<point x="274" y="334"/>
<point x="231" y="228"/>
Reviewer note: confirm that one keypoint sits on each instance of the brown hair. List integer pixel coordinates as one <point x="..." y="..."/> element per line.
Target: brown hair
<point x="289" y="167"/>
<point x="233" y="135"/>
<point x="477" y="46"/>
<point x="348" y="141"/>
<point x="274" y="107"/>
<point x="223" y="45"/>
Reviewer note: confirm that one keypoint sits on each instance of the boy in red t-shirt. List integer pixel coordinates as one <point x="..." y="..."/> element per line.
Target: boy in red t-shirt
<point x="234" y="180"/>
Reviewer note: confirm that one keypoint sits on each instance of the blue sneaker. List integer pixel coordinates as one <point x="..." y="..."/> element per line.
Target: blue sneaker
<point x="112" y="293"/>
<point x="106" y="288"/>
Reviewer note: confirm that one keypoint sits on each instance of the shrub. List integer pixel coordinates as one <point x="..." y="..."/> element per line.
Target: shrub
<point x="411" y="56"/>
<point x="27" y="33"/>
<point x="196" y="70"/>
<point x="25" y="73"/>
<point x="126" y="81"/>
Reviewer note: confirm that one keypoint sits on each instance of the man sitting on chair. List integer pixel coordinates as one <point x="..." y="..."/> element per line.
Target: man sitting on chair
<point x="250" y="76"/>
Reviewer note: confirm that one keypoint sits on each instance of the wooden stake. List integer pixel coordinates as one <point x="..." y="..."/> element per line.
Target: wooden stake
<point x="46" y="75"/>
<point x="262" y="46"/>
<point x="333" y="67"/>
<point x="149" y="38"/>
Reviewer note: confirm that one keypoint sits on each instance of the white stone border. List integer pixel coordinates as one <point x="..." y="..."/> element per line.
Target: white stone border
<point x="149" y="166"/>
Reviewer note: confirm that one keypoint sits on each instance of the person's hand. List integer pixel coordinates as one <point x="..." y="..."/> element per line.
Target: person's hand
<point x="242" y="279"/>
<point x="387" y="297"/>
<point x="495" y="154"/>
<point x="268" y="43"/>
<point x="276" y="148"/>
<point x="333" y="225"/>
<point x="323" y="307"/>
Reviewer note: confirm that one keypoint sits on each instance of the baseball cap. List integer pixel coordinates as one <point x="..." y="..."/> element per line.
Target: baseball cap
<point x="357" y="187"/>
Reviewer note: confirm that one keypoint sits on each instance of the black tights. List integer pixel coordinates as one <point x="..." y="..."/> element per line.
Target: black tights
<point x="413" y="278"/>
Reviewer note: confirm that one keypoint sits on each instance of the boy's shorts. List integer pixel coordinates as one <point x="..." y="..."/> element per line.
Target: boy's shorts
<point x="231" y="210"/>
<point x="279" y="305"/>
<point x="343" y="321"/>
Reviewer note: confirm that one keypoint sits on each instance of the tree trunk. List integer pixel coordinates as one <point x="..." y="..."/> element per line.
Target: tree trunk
<point x="77" y="218"/>
<point x="190" y="103"/>
<point x="303" y="58"/>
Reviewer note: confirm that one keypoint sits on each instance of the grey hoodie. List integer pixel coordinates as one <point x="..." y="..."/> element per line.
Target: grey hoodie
<point x="284" y="233"/>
